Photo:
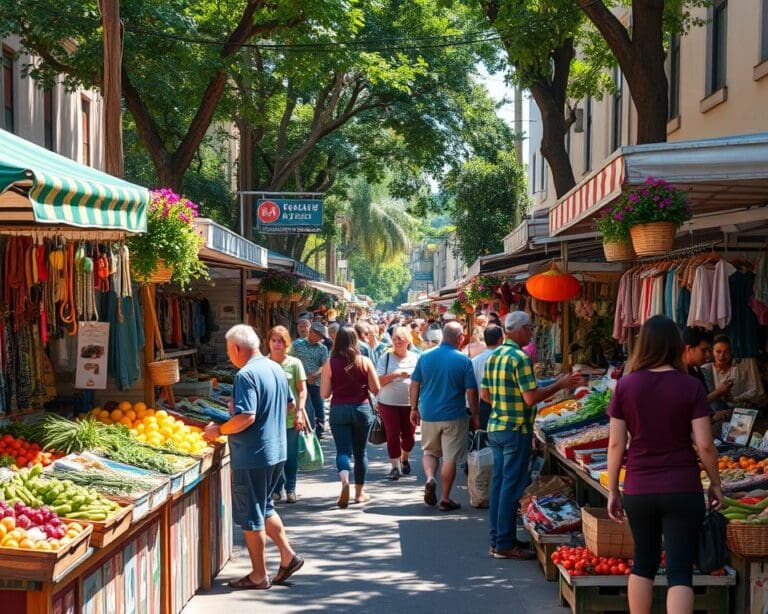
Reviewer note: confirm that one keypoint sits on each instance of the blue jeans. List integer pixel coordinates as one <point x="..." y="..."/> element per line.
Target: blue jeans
<point x="316" y="408"/>
<point x="291" y="469"/>
<point x="511" y="452"/>
<point x="350" y="425"/>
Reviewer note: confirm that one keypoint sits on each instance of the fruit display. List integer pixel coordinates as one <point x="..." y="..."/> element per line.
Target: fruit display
<point x="593" y="409"/>
<point x="751" y="510"/>
<point x="34" y="529"/>
<point x="557" y="409"/>
<point x="154" y="427"/>
<point x="63" y="497"/>
<point x="567" y="441"/>
<point x="16" y="451"/>
<point x="579" y="561"/>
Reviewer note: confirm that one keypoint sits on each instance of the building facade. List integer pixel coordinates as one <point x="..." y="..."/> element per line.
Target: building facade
<point x="447" y="265"/>
<point x="718" y="86"/>
<point x="66" y="122"/>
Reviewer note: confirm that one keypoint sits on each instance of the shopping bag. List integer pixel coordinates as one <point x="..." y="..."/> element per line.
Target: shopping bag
<point x="310" y="451"/>
<point x="713" y="542"/>
<point x="377" y="435"/>
<point x="479" y="473"/>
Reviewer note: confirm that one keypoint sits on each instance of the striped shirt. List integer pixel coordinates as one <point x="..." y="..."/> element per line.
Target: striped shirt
<point x="508" y="374"/>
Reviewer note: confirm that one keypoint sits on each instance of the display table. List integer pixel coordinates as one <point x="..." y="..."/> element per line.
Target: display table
<point x="155" y="567"/>
<point x="587" y="489"/>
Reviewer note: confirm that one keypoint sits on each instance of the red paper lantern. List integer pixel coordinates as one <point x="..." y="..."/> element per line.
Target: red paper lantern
<point x="553" y="286"/>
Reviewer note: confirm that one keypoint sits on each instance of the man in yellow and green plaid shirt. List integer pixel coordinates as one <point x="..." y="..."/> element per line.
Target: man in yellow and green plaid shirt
<point x="510" y="387"/>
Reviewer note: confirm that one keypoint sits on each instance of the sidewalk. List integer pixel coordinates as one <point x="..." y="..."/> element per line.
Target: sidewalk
<point x="395" y="554"/>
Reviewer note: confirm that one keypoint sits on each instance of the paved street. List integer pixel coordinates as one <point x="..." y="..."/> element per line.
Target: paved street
<point x="393" y="555"/>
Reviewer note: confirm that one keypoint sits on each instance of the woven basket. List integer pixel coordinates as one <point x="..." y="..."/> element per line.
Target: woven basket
<point x="603" y="536"/>
<point x="272" y="297"/>
<point x="654" y="239"/>
<point x="747" y="539"/>
<point x="162" y="274"/>
<point x="618" y="252"/>
<point x="164" y="372"/>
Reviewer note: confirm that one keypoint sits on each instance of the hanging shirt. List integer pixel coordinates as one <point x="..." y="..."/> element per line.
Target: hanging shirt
<point x="720" y="306"/>
<point x="700" y="313"/>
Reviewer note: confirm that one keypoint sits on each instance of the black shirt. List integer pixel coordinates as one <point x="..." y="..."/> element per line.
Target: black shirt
<point x="696" y="372"/>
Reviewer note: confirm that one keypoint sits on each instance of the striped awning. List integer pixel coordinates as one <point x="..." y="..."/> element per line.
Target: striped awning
<point x="39" y="186"/>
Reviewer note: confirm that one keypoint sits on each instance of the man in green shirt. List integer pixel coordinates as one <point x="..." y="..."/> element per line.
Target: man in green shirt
<point x="509" y="385"/>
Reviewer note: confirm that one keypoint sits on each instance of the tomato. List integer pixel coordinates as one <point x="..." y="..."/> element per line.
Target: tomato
<point x="8" y="439"/>
<point x="579" y="566"/>
<point x="630" y="562"/>
<point x="15" y="444"/>
<point x="555" y="556"/>
<point x="621" y="567"/>
<point x="568" y="564"/>
<point x="614" y="570"/>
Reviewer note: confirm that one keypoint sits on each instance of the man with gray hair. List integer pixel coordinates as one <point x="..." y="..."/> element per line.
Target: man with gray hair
<point x="257" y="440"/>
<point x="441" y="381"/>
<point x="509" y="385"/>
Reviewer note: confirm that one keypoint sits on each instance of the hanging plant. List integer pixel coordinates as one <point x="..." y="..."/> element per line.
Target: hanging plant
<point x="458" y="308"/>
<point x="655" y="201"/>
<point x="171" y="240"/>
<point x="281" y="282"/>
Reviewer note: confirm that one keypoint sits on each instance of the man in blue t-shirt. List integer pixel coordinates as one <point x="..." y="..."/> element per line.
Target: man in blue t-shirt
<point x="442" y="380"/>
<point x="257" y="439"/>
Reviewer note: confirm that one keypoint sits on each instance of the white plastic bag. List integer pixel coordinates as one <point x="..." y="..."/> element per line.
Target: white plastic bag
<point x="480" y="466"/>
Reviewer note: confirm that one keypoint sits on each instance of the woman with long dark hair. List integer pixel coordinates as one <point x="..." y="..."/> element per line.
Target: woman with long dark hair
<point x="665" y="411"/>
<point x="347" y="379"/>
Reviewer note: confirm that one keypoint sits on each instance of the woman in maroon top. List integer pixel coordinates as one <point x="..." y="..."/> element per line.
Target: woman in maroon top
<point x="346" y="379"/>
<point x="663" y="409"/>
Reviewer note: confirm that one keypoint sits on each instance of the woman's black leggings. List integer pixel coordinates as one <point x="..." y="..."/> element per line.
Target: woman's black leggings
<point x="676" y="516"/>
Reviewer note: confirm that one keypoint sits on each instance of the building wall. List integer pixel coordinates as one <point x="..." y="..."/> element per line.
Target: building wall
<point x="448" y="267"/>
<point x="67" y="107"/>
<point x="741" y="111"/>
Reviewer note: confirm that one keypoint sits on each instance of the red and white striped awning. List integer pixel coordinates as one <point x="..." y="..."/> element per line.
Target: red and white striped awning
<point x="592" y="194"/>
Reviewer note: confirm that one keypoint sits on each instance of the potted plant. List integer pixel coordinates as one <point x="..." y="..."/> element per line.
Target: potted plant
<point x="278" y="284"/>
<point x="615" y="232"/>
<point x="171" y="244"/>
<point x="653" y="214"/>
<point x="483" y="288"/>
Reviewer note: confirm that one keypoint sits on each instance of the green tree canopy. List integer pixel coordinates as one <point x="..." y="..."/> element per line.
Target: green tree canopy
<point x="385" y="282"/>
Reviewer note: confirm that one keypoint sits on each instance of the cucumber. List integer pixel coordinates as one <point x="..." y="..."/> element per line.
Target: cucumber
<point x="736" y="516"/>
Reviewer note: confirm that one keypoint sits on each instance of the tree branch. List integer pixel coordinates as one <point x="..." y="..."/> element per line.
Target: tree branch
<point x="145" y="124"/>
<point x="611" y="28"/>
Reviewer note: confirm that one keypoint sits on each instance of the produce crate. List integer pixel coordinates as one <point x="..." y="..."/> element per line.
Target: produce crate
<point x="603" y="594"/>
<point x="206" y="462"/>
<point x="159" y="495"/>
<point x="603" y="536"/>
<point x="107" y="531"/>
<point x="43" y="565"/>
<point x="192" y="474"/>
<point x="545" y="544"/>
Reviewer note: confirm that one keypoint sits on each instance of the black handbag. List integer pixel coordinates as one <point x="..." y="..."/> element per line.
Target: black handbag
<point x="378" y="435"/>
<point x="713" y="542"/>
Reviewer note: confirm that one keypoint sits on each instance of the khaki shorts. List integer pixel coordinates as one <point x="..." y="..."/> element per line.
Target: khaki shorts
<point x="446" y="439"/>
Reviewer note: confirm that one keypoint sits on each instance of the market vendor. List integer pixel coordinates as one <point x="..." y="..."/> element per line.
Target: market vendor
<point x="741" y="377"/>
<point x="697" y="348"/>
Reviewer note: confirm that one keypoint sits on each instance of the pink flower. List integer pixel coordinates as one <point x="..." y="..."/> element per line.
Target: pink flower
<point x="633" y="198"/>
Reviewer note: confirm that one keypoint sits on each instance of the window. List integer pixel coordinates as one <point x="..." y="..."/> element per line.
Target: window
<point x="543" y="173"/>
<point x="568" y="142"/>
<point x="588" y="134"/>
<point x="617" y="110"/>
<point x="673" y="110"/>
<point x="85" y="127"/>
<point x="764" y="32"/>
<point x="8" y="90"/>
<point x="718" y="36"/>
<point x="533" y="175"/>
<point x="48" y="118"/>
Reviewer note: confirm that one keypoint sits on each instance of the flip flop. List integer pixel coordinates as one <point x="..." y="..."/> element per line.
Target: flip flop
<point x="363" y="499"/>
<point x="245" y="583"/>
<point x="283" y="573"/>
<point x="449" y="506"/>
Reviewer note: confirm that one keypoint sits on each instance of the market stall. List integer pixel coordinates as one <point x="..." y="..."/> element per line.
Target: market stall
<point x="92" y="517"/>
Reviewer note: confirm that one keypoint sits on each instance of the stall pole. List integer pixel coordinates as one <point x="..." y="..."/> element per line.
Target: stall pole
<point x="566" y="319"/>
<point x="206" y="522"/>
<point x="166" y="581"/>
<point x="149" y="342"/>
<point x="40" y="602"/>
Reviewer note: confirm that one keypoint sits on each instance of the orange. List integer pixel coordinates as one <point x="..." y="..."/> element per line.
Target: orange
<point x="116" y="415"/>
<point x="131" y="415"/>
<point x="139" y="406"/>
<point x="95" y="411"/>
<point x="43" y="545"/>
<point x="3" y="531"/>
<point x="27" y="544"/>
<point x="124" y="406"/>
<point x="9" y="523"/>
<point x="150" y="412"/>
<point x="126" y="421"/>
<point x="104" y="415"/>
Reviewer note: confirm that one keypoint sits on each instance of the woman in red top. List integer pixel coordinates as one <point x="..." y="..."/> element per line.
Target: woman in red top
<point x="346" y="379"/>
<point x="662" y="408"/>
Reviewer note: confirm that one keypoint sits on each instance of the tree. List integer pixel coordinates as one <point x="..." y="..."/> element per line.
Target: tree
<point x="385" y="282"/>
<point x="639" y="50"/>
<point x="176" y="58"/>
<point x="488" y="201"/>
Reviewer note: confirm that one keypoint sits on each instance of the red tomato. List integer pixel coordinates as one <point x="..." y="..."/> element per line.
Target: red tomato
<point x="579" y="565"/>
<point x="627" y="571"/>
<point x="614" y="570"/>
<point x="621" y="567"/>
<point x="15" y="444"/>
<point x="8" y="439"/>
<point x="555" y="556"/>
<point x="568" y="564"/>
<point x="630" y="562"/>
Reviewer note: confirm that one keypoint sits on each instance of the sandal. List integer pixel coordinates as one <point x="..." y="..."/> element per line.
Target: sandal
<point x="343" y="500"/>
<point x="283" y="573"/>
<point x="245" y="583"/>
<point x="449" y="506"/>
<point x="363" y="499"/>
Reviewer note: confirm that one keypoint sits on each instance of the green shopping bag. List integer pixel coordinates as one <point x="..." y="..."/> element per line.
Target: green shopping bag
<point x="310" y="452"/>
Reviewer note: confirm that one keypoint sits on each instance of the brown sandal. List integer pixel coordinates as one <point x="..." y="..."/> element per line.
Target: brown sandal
<point x="283" y="573"/>
<point x="245" y="583"/>
<point x="343" y="500"/>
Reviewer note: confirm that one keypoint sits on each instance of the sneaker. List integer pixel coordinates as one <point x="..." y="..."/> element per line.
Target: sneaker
<point x="290" y="497"/>
<point x="406" y="467"/>
<point x="394" y="474"/>
<point x="276" y="497"/>
<point x="514" y="553"/>
<point x="430" y="493"/>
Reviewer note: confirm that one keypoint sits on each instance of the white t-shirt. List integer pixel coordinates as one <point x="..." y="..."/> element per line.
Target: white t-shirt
<point x="478" y="366"/>
<point x="396" y="392"/>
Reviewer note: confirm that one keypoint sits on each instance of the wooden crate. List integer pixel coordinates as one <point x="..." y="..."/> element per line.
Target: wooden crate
<point x="106" y="532"/>
<point x="608" y="594"/>
<point x="545" y="545"/>
<point x="206" y="461"/>
<point x="43" y="565"/>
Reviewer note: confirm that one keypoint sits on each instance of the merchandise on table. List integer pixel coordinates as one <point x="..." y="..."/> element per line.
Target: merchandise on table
<point x="553" y="514"/>
<point x="21" y="453"/>
<point x="593" y="408"/>
<point x="593" y="435"/>
<point x="30" y="528"/>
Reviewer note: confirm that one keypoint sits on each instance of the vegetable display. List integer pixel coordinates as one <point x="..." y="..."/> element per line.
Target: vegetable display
<point x="105" y="482"/>
<point x="593" y="406"/>
<point x="752" y="510"/>
<point x="15" y="451"/>
<point x="34" y="529"/>
<point x="580" y="561"/>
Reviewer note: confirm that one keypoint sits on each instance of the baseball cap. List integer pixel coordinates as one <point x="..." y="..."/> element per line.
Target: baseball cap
<point x="320" y="329"/>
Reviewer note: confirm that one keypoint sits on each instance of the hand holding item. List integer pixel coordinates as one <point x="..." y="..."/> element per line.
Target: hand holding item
<point x="724" y="389"/>
<point x="615" y="506"/>
<point x="211" y="432"/>
<point x="715" y="496"/>
<point x="571" y="380"/>
<point x="403" y="373"/>
<point x="299" y="422"/>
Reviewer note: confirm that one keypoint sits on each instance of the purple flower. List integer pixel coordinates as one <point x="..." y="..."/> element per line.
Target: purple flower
<point x="634" y="198"/>
<point x="667" y="201"/>
<point x="661" y="205"/>
<point x="645" y="193"/>
<point x="650" y="180"/>
<point x="618" y="217"/>
<point x="656" y="198"/>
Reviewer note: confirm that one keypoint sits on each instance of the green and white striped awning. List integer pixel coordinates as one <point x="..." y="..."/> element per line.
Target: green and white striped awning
<point x="39" y="186"/>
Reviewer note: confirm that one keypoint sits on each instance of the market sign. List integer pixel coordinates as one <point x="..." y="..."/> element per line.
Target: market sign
<point x="289" y="215"/>
<point x="422" y="276"/>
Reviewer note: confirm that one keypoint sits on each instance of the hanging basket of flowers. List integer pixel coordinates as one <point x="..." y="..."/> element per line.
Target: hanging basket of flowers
<point x="653" y="213"/>
<point x="614" y="230"/>
<point x="169" y="250"/>
<point x="280" y="285"/>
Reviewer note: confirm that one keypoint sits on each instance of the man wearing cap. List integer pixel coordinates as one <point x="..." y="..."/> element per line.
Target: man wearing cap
<point x="313" y="355"/>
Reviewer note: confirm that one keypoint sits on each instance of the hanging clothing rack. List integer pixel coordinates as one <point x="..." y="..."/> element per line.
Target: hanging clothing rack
<point x="681" y="253"/>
